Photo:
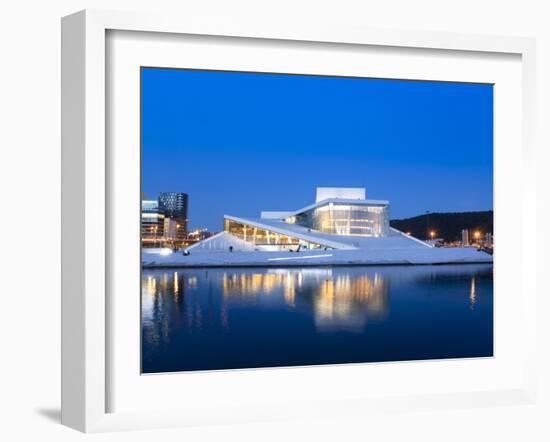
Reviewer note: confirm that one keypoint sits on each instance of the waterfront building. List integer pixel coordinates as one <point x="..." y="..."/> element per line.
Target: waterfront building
<point x="340" y="218"/>
<point x="342" y="227"/>
<point x="152" y="223"/>
<point x="174" y="206"/>
<point x="465" y="237"/>
<point x="170" y="231"/>
<point x="197" y="235"/>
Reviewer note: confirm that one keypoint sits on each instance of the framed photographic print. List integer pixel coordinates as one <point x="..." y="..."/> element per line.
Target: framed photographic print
<point x="262" y="222"/>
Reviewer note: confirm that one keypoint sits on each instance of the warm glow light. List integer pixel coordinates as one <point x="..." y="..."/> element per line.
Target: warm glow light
<point x="476" y="234"/>
<point x="432" y="233"/>
<point x="472" y="293"/>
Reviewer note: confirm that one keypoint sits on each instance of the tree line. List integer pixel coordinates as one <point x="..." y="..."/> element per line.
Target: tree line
<point x="447" y="226"/>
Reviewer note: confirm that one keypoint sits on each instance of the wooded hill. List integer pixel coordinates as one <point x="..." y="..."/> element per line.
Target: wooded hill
<point x="447" y="226"/>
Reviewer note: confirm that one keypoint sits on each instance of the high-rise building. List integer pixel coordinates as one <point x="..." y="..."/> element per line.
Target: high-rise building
<point x="152" y="223"/>
<point x="174" y="206"/>
<point x="465" y="237"/>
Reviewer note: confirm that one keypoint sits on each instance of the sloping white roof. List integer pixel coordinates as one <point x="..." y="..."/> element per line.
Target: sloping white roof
<point x="293" y="230"/>
<point x="275" y="214"/>
<point x="221" y="241"/>
<point x="395" y="239"/>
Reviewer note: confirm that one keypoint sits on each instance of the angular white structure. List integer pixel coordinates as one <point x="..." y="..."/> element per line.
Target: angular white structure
<point x="347" y="193"/>
<point x="341" y="228"/>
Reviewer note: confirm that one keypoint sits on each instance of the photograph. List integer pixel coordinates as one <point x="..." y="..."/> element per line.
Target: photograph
<point x="292" y="219"/>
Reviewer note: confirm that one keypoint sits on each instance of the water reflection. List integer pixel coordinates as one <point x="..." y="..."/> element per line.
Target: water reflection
<point x="472" y="292"/>
<point x="346" y="303"/>
<point x="221" y="308"/>
<point x="338" y="301"/>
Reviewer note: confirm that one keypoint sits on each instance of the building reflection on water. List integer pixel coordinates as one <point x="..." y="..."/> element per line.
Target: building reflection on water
<point x="338" y="302"/>
<point x="299" y="315"/>
<point x="342" y="301"/>
<point x="335" y="299"/>
<point x="346" y="303"/>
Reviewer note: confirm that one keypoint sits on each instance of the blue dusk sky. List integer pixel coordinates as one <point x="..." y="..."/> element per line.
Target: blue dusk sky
<point x="238" y="143"/>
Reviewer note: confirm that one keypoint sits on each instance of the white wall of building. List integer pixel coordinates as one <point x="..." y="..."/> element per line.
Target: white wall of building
<point x="351" y="193"/>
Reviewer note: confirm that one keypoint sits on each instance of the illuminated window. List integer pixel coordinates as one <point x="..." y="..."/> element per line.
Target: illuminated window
<point x="265" y="239"/>
<point x="347" y="219"/>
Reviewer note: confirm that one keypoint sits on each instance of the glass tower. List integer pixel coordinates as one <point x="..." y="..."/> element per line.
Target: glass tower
<point x="174" y="205"/>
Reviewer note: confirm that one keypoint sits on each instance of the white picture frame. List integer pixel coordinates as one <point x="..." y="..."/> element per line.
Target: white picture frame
<point x="85" y="234"/>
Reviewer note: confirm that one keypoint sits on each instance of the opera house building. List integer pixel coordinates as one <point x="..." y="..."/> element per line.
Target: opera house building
<point x="336" y="220"/>
<point x="342" y="227"/>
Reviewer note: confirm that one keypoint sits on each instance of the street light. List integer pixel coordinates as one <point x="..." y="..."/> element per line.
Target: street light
<point x="432" y="234"/>
<point x="477" y="235"/>
<point x="177" y="232"/>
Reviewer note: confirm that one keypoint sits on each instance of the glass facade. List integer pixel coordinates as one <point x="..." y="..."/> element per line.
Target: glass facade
<point x="346" y="219"/>
<point x="266" y="239"/>
<point x="174" y="206"/>
<point x="152" y="223"/>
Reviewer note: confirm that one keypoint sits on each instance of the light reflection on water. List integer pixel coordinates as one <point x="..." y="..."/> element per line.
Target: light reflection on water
<point x="338" y="301"/>
<point x="317" y="314"/>
<point x="472" y="292"/>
